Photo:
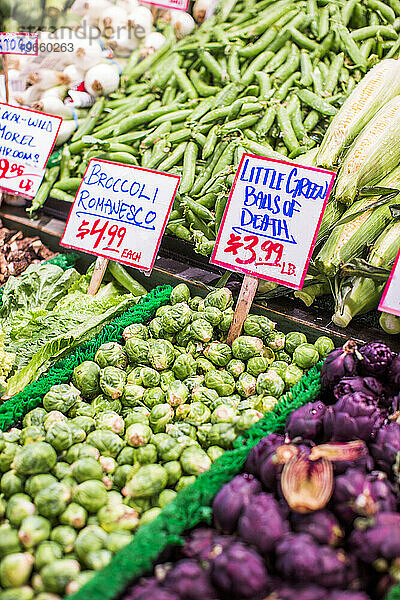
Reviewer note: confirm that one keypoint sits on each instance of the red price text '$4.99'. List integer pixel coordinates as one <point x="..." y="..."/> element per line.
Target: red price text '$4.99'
<point x="246" y="251"/>
<point x="103" y="232"/>
<point x="10" y="171"/>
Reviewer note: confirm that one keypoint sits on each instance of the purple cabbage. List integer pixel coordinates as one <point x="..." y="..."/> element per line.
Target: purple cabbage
<point x="306" y="421"/>
<point x="385" y="447"/>
<point x="393" y="374"/>
<point x="205" y="544"/>
<point x="261" y="523"/>
<point x="339" y="363"/>
<point x="369" y="386"/>
<point x="380" y="540"/>
<point x="298" y="592"/>
<point x="189" y="581"/>
<point x="322" y="525"/>
<point x="231" y="500"/>
<point x="150" y="589"/>
<point x="239" y="572"/>
<point x="357" y="493"/>
<point x="261" y="452"/>
<point x="376" y="358"/>
<point x="353" y="417"/>
<point x="346" y="595"/>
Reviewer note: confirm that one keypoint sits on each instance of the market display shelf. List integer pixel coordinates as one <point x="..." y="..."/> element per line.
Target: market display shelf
<point x="173" y="267"/>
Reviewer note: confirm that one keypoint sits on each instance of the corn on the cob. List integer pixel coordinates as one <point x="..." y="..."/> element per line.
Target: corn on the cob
<point x="390" y="323"/>
<point x="374" y="153"/>
<point x="333" y="212"/>
<point x="365" y="293"/>
<point x="310" y="292"/>
<point x="380" y="85"/>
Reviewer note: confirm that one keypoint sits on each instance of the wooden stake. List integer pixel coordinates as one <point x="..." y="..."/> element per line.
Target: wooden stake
<point x="98" y="274"/>
<point x="243" y="306"/>
<point x="5" y="71"/>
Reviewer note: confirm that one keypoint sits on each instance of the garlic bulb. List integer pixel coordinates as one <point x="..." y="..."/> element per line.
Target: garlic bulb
<point x="59" y="91"/>
<point x="53" y="105"/>
<point x="200" y="9"/>
<point x="75" y="74"/>
<point x="152" y="42"/>
<point x="30" y="95"/>
<point x="102" y="79"/>
<point x="47" y="78"/>
<point x="141" y="17"/>
<point x="123" y="43"/>
<point x="94" y="10"/>
<point x="182" y="22"/>
<point x="113" y="20"/>
<point x="128" y="5"/>
<point x="87" y="54"/>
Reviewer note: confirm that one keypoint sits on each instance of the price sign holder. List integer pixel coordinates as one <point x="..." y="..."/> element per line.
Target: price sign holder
<point x="270" y="226"/>
<point x="120" y="213"/>
<point x="16" y="43"/>
<point x="390" y="301"/>
<point x="174" y="4"/>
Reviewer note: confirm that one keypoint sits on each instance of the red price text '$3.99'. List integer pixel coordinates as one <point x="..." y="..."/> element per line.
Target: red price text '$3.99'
<point x="245" y="250"/>
<point x="10" y="171"/>
<point x="112" y="234"/>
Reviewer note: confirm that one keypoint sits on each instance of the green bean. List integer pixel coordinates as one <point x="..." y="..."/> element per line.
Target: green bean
<point x="90" y="122"/>
<point x="301" y="40"/>
<point x="199" y="138"/>
<point x="393" y="52"/>
<point x="233" y="64"/>
<point x="264" y="83"/>
<point x="61" y="195"/>
<point x="68" y="184"/>
<point x="173" y="158"/>
<point x="210" y="143"/>
<point x="168" y="95"/>
<point x="180" y="231"/>
<point x="220" y="205"/>
<point x="208" y="169"/>
<point x="315" y="102"/>
<point x="189" y="165"/>
<point x="386" y="11"/>
<point x="395" y="5"/>
<point x="283" y="91"/>
<point x="324" y="47"/>
<point x="287" y="131"/>
<point x="198" y="209"/>
<point x="216" y="114"/>
<point x="241" y="123"/>
<point x="347" y="11"/>
<point x="252" y="50"/>
<point x="202" y="88"/>
<point x="65" y="163"/>
<point x="256" y="65"/>
<point x="251" y="135"/>
<point x="213" y="66"/>
<point x="261" y="150"/>
<point x="280" y="40"/>
<point x="227" y="95"/>
<point x="262" y="24"/>
<point x="249" y="108"/>
<point x="160" y="131"/>
<point x="312" y="11"/>
<point x="323" y="22"/>
<point x="122" y="157"/>
<point x="226" y="158"/>
<point x="373" y="31"/>
<point x="141" y="67"/>
<point x="142" y="118"/>
<point x="317" y="81"/>
<point x="198" y="224"/>
<point x="297" y="121"/>
<point x="202" y="109"/>
<point x="176" y="116"/>
<point x="208" y="200"/>
<point x="311" y="120"/>
<point x="350" y="46"/>
<point x="262" y="128"/>
<point x="333" y="75"/>
<point x="289" y="67"/>
<point x="306" y="69"/>
<point x="182" y="135"/>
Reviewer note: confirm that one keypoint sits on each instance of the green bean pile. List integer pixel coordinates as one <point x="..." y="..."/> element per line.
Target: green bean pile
<point x="260" y="76"/>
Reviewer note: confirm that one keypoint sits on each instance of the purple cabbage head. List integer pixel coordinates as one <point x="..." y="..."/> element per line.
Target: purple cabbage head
<point x="298" y="592"/>
<point x="369" y="386"/>
<point x="306" y="421"/>
<point x="380" y="540"/>
<point x="359" y="494"/>
<point x="205" y="544"/>
<point x="346" y="595"/>
<point x="189" y="581"/>
<point x="322" y="525"/>
<point x="393" y="374"/>
<point x="339" y="363"/>
<point x="150" y="588"/>
<point x="239" y="572"/>
<point x="353" y="417"/>
<point x="261" y="523"/>
<point x="231" y="500"/>
<point x="386" y="446"/>
<point x="260" y="453"/>
<point x="376" y="358"/>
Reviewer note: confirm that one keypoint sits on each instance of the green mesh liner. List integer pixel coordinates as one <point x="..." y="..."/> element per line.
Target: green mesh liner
<point x="192" y="505"/>
<point x="31" y="397"/>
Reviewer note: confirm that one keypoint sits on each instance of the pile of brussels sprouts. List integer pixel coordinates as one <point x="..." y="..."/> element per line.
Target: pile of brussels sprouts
<point x="135" y="426"/>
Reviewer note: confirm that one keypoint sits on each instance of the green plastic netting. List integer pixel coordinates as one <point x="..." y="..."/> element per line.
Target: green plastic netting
<point x="192" y="505"/>
<point x="16" y="407"/>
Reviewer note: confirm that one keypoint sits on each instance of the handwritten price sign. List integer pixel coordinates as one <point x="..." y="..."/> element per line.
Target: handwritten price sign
<point x="390" y="301"/>
<point x="176" y="4"/>
<point x="272" y="219"/>
<point x="27" y="138"/>
<point x="19" y="43"/>
<point x="120" y="213"/>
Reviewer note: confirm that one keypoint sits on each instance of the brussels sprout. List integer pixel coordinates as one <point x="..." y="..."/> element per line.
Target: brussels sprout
<point x="137" y="350"/>
<point x="112" y="382"/>
<point x="184" y="482"/>
<point x="203" y="365"/>
<point x="258" y="326"/>
<point x="246" y="347"/>
<point x="165" y="497"/>
<point x="98" y="559"/>
<point x="34" y="484"/>
<point x="90" y="539"/>
<point x="58" y="574"/>
<point x="201" y="330"/>
<point x="82" y="409"/>
<point x="86" y="377"/>
<point x="22" y="593"/>
<point x="138" y="435"/>
<point x="83" y="450"/>
<point x="110" y="421"/>
<point x="204" y="395"/>
<point x="11" y="484"/>
<point x="60" y="436"/>
<point x="292" y="376"/>
<point x="133" y="395"/>
<point x="111" y="354"/>
<point x="221" y="382"/>
<point x="324" y="345"/>
<point x="118" y="517"/>
<point x="226" y="321"/>
<point x="53" y="417"/>
<point x="194" y="461"/>
<point x="85" y="469"/>
<point x="33" y="530"/>
<point x="223" y="414"/>
<point x="107" y="442"/>
<point x="12" y="435"/>
<point x="15" y="569"/>
<point x="247" y="420"/>
<point x="102" y="403"/>
<point x="34" y="418"/>
<point x="87" y="424"/>
<point x="196" y="303"/>
<point x="74" y="516"/>
<point x="161" y="355"/>
<point x="153" y="396"/>
<point x="280" y="367"/>
<point x="52" y="500"/>
<point x="46" y="553"/>
<point x="147" y="481"/>
<point x="167" y="447"/>
<point x="7" y="456"/>
<point x="294" y="339"/>
<point x="177" y="393"/>
<point x="264" y="404"/>
<point x="150" y="515"/>
<point x="218" y="353"/>
<point x="184" y="366"/>
<point x="222" y="434"/>
<point x="3" y="507"/>
<point x="139" y="414"/>
<point x="214" y="452"/>
<point x="92" y="495"/>
<point x="270" y="383"/>
<point x="76" y="584"/>
<point x="134" y="376"/>
<point x="180" y="293"/>
<point x="146" y="455"/>
<point x="246" y="385"/>
<point x="65" y="536"/>
<point x="236" y="367"/>
<point x="276" y="340"/>
<point x="194" y="348"/>
<point x="282" y="356"/>
<point x="234" y="400"/>
<point x="160" y="416"/>
<point x="9" y="542"/>
<point x="257" y="365"/>
<point x="117" y="540"/>
<point x="136" y="330"/>
<point x="212" y="314"/>
<point x="305" y="356"/>
<point x="19" y="506"/>
<point x="150" y="377"/>
<point x="220" y="298"/>
<point x="167" y="377"/>
<point x="126" y="456"/>
<point x="122" y="474"/>
<point x="174" y="471"/>
<point x="195" y="413"/>
<point x="194" y="382"/>
<point x="155" y="329"/>
<point x="61" y="397"/>
<point x="175" y="318"/>
<point x="184" y="336"/>
<point x="34" y="458"/>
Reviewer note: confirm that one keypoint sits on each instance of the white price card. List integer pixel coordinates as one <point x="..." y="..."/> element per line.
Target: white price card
<point x="390" y="301"/>
<point x="272" y="219"/>
<point x="27" y="138"/>
<point x="19" y="43"/>
<point x="120" y="213"/>
<point x="175" y="4"/>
